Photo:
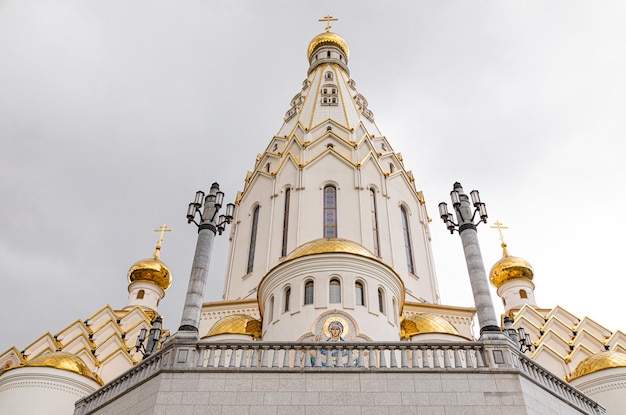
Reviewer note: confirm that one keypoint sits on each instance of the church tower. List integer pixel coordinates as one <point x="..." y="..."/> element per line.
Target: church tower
<point x="329" y="219"/>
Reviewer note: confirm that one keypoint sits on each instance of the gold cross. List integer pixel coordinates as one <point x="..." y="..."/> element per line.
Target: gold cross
<point x="328" y="19"/>
<point x="162" y="229"/>
<point x="499" y="226"/>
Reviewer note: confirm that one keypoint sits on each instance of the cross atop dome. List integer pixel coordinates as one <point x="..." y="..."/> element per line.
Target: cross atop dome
<point x="328" y="18"/>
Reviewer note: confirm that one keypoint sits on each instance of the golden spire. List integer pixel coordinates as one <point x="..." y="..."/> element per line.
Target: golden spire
<point x="498" y="225"/>
<point x="162" y="229"/>
<point x="328" y="18"/>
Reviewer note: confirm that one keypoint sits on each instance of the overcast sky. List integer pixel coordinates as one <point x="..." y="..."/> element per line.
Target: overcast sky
<point x="113" y="113"/>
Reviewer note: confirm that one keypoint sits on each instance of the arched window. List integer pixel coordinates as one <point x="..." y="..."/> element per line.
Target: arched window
<point x="523" y="294"/>
<point x="408" y="248"/>
<point x="283" y="250"/>
<point x="287" y="299"/>
<point x="309" y="287"/>
<point x="334" y="291"/>
<point x="359" y="293"/>
<point x="381" y="300"/>
<point x="253" y="230"/>
<point x="330" y="212"/>
<point x="140" y="294"/>
<point x="270" y="310"/>
<point x="374" y="222"/>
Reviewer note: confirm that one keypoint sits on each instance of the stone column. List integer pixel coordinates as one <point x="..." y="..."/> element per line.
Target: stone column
<point x="190" y="320"/>
<point x="478" y="277"/>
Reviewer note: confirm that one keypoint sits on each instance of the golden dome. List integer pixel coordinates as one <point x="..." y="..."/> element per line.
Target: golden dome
<point x="328" y="245"/>
<point x="64" y="361"/>
<point x="426" y="323"/>
<point x="236" y="324"/>
<point x="600" y="361"/>
<point x="510" y="268"/>
<point x="151" y="270"/>
<point x="328" y="38"/>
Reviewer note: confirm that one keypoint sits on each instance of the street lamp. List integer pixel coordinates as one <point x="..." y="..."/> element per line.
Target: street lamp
<point x="150" y="346"/>
<point x="519" y="336"/>
<point x="208" y="227"/>
<point x="467" y="230"/>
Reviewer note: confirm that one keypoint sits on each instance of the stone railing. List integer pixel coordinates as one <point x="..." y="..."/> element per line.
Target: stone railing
<point x="339" y="355"/>
<point x="190" y="355"/>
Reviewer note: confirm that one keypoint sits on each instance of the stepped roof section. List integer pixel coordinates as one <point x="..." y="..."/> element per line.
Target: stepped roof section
<point x="104" y="342"/>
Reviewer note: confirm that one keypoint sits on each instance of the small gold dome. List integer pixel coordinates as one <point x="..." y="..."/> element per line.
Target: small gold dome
<point x="600" y="361"/>
<point x="328" y="38"/>
<point x="328" y="245"/>
<point x="236" y="324"/>
<point x="426" y="323"/>
<point x="64" y="361"/>
<point x="151" y="270"/>
<point x="510" y="268"/>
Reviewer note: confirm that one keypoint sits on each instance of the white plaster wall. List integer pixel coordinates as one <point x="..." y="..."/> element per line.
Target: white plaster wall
<point x="40" y="390"/>
<point x="509" y="291"/>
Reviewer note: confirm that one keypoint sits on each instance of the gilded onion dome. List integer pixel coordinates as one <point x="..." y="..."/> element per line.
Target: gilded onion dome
<point x="600" y="361"/>
<point x="328" y="245"/>
<point x="426" y="323"/>
<point x="64" y="361"/>
<point x="509" y="268"/>
<point x="151" y="270"/>
<point x="236" y="324"/>
<point x="328" y="38"/>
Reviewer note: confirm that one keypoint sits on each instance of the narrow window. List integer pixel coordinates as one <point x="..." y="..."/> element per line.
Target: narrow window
<point x="308" y="292"/>
<point x="275" y="147"/>
<point x="270" y="310"/>
<point x="252" y="248"/>
<point x="140" y="294"/>
<point x="407" y="240"/>
<point x="358" y="293"/>
<point x="374" y="222"/>
<point x="287" y="298"/>
<point x="283" y="250"/>
<point x="334" y="291"/>
<point x="328" y="54"/>
<point x="381" y="301"/>
<point x="330" y="212"/>
<point x="395" y="311"/>
<point x="522" y="294"/>
<point x="391" y="168"/>
<point x="267" y="167"/>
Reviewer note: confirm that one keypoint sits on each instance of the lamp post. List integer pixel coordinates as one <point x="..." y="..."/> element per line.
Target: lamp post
<point x="208" y="227"/>
<point x="150" y="346"/>
<point x="467" y="230"/>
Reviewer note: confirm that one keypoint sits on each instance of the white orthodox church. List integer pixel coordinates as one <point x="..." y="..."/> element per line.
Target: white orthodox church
<point x="331" y="302"/>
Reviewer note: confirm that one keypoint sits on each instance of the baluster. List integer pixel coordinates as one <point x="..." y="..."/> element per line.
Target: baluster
<point x="383" y="361"/>
<point x="222" y="356"/>
<point x="275" y="357"/>
<point x="403" y="357"/>
<point x="264" y="355"/>
<point x="351" y="358"/>
<point x="211" y="362"/>
<point x="361" y="361"/>
<point x="457" y="357"/>
<point x="307" y="356"/>
<point x="414" y="360"/>
<point x="446" y="357"/>
<point x="318" y="357"/>
<point x="425" y="359"/>
<point x="233" y="356"/>
<point x="392" y="356"/>
<point x="372" y="360"/>
<point x="436" y="363"/>
<point x="254" y="359"/>
<point x="287" y="356"/>
<point x="243" y="362"/>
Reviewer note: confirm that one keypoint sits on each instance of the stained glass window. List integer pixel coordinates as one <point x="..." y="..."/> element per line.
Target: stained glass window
<point x="330" y="212"/>
<point x="252" y="248"/>
<point x="408" y="248"/>
<point x="283" y="250"/>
